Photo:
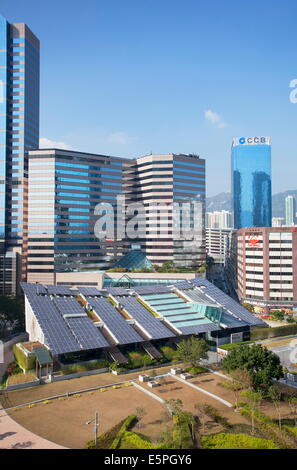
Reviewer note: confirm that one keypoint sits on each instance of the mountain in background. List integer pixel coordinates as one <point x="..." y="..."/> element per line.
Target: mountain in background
<point x="219" y="202"/>
<point x="222" y="201"/>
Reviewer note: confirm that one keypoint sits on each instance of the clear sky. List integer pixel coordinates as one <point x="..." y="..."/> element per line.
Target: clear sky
<point x="130" y="77"/>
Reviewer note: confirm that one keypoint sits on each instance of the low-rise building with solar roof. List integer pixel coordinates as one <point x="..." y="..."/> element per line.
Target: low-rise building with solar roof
<point x="87" y="322"/>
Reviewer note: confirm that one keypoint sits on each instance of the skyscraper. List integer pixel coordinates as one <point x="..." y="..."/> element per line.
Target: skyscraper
<point x="166" y="180"/>
<point x="251" y="182"/>
<point x="19" y="128"/>
<point x="290" y="210"/>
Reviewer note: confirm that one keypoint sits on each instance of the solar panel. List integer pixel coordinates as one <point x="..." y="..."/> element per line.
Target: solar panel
<point x="56" y="333"/>
<point x="59" y="290"/>
<point x="90" y="291"/>
<point x="68" y="305"/>
<point x="184" y="285"/>
<point x="114" y="321"/>
<point x="35" y="288"/>
<point x="117" y="291"/>
<point x="88" y="335"/>
<point x="197" y="329"/>
<point x="151" y="289"/>
<point x="155" y="328"/>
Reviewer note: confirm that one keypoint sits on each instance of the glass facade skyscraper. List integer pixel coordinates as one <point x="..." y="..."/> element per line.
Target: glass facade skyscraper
<point x="251" y="182"/>
<point x="19" y="127"/>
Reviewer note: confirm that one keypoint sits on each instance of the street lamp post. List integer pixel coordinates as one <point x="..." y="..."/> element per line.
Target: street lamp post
<point x="96" y="426"/>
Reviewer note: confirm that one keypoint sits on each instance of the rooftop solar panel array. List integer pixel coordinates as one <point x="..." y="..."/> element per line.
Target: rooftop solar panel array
<point x="114" y="321"/>
<point x="91" y="291"/>
<point x="57" y="334"/>
<point x="68" y="306"/>
<point x="33" y="288"/>
<point x="59" y="290"/>
<point x="155" y="289"/>
<point x="231" y="305"/>
<point x="196" y="329"/>
<point x="184" y="285"/>
<point x="155" y="328"/>
<point x="88" y="335"/>
<point x="117" y="291"/>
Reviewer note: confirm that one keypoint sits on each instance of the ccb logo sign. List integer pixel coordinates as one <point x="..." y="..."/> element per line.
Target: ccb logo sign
<point x="252" y="140"/>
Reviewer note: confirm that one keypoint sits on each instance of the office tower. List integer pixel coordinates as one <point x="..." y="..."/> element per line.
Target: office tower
<point x="251" y="182"/>
<point x="290" y="210"/>
<point x="266" y="267"/>
<point x="64" y="188"/>
<point x="155" y="180"/>
<point x="219" y="219"/>
<point x="19" y="128"/>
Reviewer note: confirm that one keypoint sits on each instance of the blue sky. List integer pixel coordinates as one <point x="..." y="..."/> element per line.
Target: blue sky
<point x="130" y="77"/>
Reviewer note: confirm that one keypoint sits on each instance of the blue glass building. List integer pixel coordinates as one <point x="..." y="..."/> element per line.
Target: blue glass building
<point x="19" y="126"/>
<point x="251" y="182"/>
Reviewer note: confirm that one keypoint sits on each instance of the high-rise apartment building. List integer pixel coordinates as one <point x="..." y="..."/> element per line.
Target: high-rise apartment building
<point x="219" y="219"/>
<point x="290" y="210"/>
<point x="251" y="182"/>
<point x="217" y="243"/>
<point x="266" y="266"/>
<point x="19" y="128"/>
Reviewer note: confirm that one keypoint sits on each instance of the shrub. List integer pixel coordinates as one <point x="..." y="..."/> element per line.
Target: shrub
<point x="230" y="346"/>
<point x="181" y="433"/>
<point x="282" y="438"/>
<point x="216" y="416"/>
<point x="236" y="441"/>
<point x="169" y="353"/>
<point x="126" y="425"/>
<point x="263" y="333"/>
<point x="75" y="368"/>
<point x="196" y="370"/>
<point x="132" y="440"/>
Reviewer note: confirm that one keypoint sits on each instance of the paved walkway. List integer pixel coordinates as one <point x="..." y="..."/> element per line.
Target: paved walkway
<point x="14" y="436"/>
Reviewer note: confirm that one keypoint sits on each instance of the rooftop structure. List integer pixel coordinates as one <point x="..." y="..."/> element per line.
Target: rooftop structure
<point x="88" y="319"/>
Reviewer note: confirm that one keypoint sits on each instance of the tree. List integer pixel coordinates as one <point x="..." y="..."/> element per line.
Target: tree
<point x="11" y="314"/>
<point x="262" y="364"/>
<point x="242" y="376"/>
<point x="192" y="350"/>
<point x="254" y="400"/>
<point x="293" y="407"/>
<point x="235" y="385"/>
<point x="276" y="397"/>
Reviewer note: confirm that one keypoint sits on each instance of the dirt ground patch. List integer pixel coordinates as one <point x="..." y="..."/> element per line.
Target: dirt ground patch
<point x="63" y="421"/>
<point x="189" y="396"/>
<point x="18" y="397"/>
